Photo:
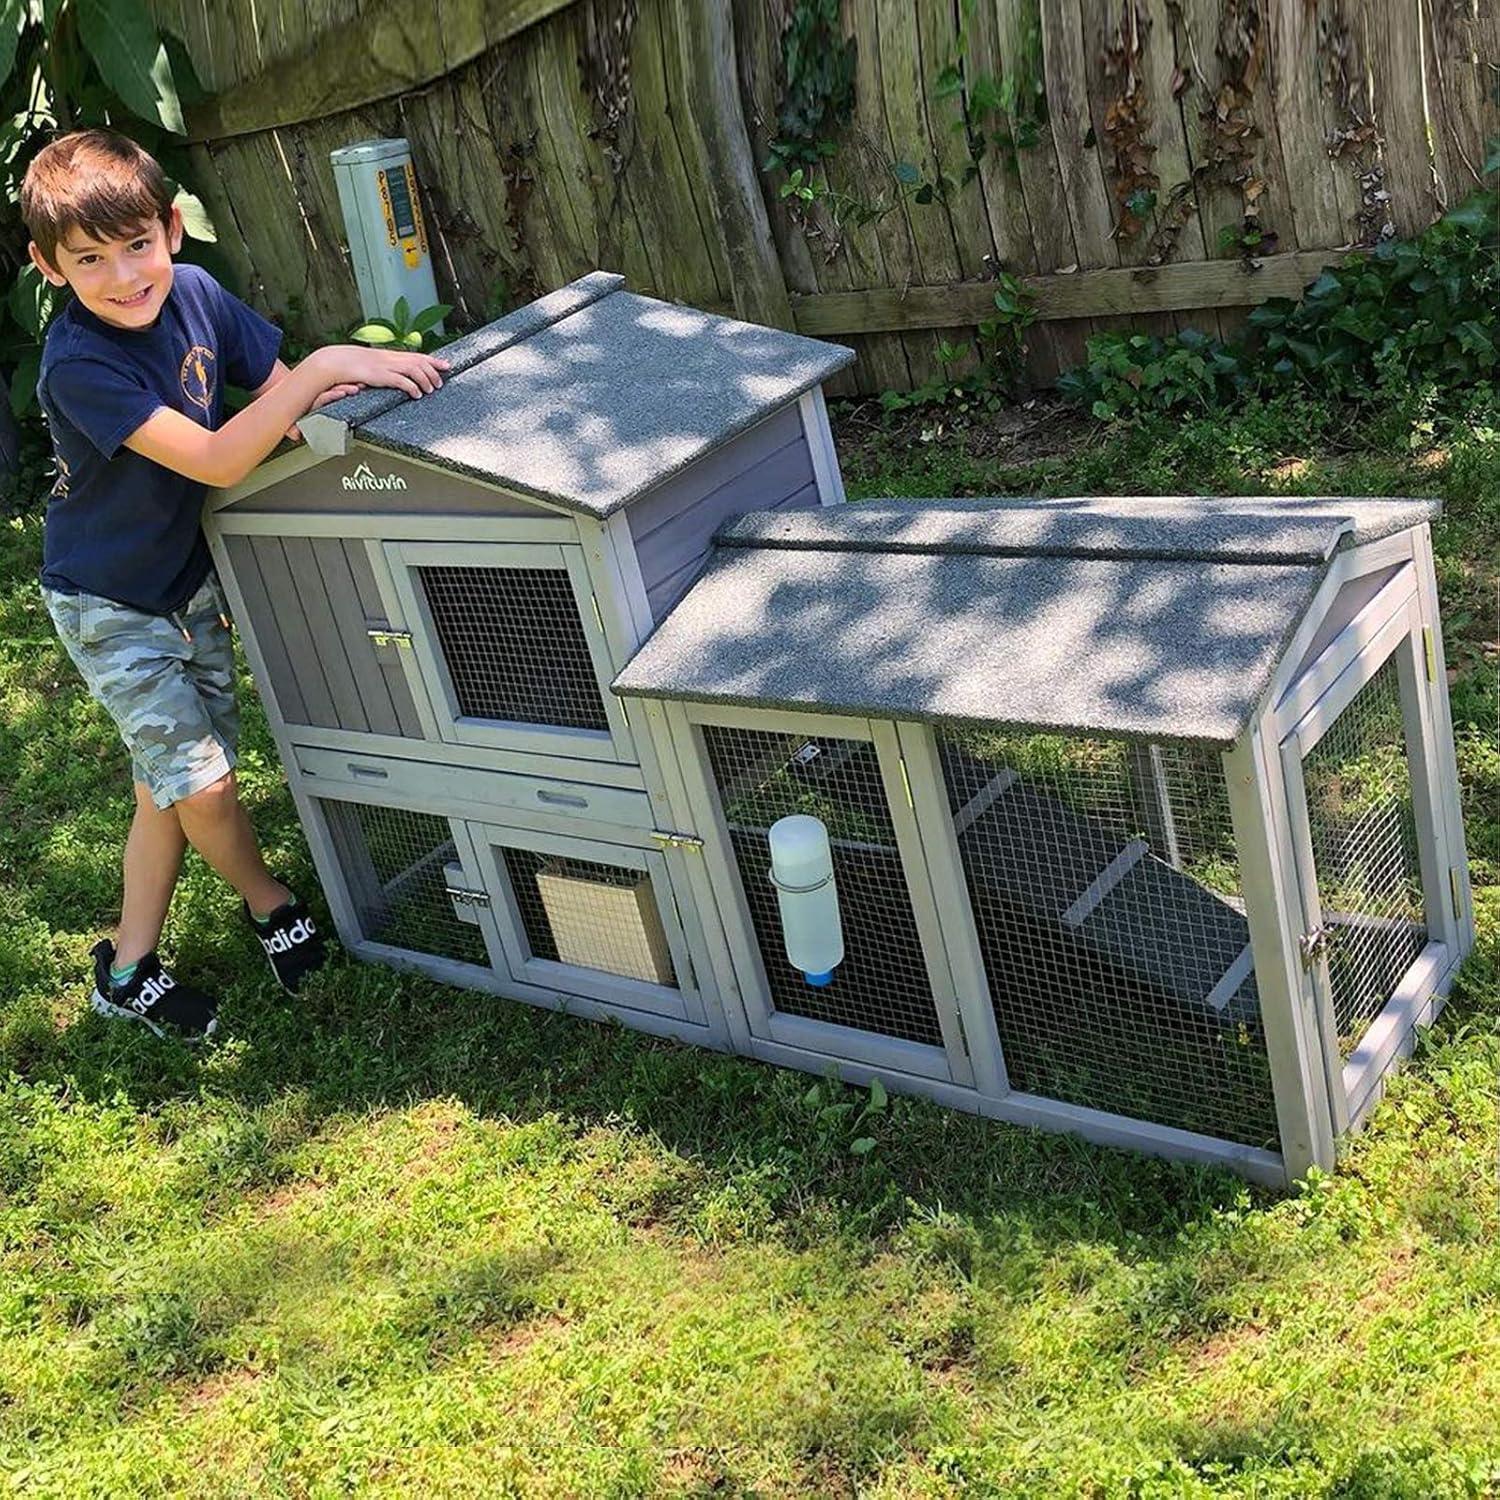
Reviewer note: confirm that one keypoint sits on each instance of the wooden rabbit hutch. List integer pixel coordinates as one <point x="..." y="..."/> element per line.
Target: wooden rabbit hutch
<point x="1143" y="813"/>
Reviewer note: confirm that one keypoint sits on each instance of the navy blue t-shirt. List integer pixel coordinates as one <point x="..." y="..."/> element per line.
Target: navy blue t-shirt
<point x="118" y="524"/>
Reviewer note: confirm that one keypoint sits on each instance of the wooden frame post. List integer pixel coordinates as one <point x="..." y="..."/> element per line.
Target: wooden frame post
<point x="1268" y="876"/>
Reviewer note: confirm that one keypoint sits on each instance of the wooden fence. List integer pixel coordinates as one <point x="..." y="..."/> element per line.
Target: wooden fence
<point x="1192" y="157"/>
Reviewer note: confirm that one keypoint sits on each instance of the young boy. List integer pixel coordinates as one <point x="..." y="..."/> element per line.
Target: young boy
<point x="131" y="383"/>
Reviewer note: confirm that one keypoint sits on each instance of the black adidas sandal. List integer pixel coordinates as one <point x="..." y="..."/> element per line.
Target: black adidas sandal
<point x="153" y="997"/>
<point x="293" y="944"/>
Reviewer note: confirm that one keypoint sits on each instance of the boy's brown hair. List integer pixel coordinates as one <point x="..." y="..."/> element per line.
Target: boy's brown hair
<point x="98" y="181"/>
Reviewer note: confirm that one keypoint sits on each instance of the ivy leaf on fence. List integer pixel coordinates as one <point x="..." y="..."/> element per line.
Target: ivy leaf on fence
<point x="131" y="59"/>
<point x="12" y="19"/>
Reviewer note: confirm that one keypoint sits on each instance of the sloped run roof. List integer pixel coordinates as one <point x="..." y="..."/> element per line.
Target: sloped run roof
<point x="1156" y="617"/>
<point x="587" y="397"/>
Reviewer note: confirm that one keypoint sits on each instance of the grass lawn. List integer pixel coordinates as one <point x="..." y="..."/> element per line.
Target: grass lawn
<point x="394" y="1237"/>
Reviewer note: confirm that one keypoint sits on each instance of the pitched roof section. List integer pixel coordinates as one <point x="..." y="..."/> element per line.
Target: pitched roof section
<point x="936" y="613"/>
<point x="1251" y="529"/>
<point x="593" y="395"/>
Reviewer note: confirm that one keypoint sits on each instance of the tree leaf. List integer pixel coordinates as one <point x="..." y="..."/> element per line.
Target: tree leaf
<point x="122" y="40"/>
<point x="863" y="1146"/>
<point x="877" y="1094"/>
<point x="23" y="380"/>
<point x="195" y="219"/>
<point x="32" y="299"/>
<point x="401" y="313"/>
<point x="12" y="19"/>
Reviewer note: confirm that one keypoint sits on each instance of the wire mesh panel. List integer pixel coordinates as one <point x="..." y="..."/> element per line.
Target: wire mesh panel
<point x="1364" y="839"/>
<point x="396" y="866"/>
<point x="882" y="984"/>
<point x="590" y="914"/>
<point x="514" y="645"/>
<point x="1104" y="884"/>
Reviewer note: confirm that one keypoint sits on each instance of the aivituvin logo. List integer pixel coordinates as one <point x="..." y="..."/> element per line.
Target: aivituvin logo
<point x="364" y="478"/>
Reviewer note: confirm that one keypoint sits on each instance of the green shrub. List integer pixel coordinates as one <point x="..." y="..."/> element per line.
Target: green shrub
<point x="1410" y="315"/>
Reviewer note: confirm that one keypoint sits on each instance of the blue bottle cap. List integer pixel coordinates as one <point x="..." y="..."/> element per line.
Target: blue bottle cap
<point x="819" y="979"/>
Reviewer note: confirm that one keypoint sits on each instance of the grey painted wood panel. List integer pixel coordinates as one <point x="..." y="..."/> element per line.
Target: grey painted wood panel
<point x="284" y="607"/>
<point x="326" y="642"/>
<point x="665" y="592"/>
<point x="770" y="467"/>
<point x="265" y="626"/>
<point x="357" y="554"/>
<point x="714" y="469"/>
<point x="349" y="619"/>
<point x="323" y="489"/>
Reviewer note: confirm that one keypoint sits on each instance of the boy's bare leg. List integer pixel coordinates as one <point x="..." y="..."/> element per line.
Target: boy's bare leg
<point x="217" y="826"/>
<point x="153" y="858"/>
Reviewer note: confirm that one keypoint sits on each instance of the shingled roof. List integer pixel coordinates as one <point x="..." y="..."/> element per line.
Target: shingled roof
<point x="1161" y="618"/>
<point x="588" y="397"/>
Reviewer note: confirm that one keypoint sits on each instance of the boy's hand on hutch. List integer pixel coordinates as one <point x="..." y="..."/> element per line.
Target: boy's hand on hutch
<point x="332" y="394"/>
<point x="414" y="374"/>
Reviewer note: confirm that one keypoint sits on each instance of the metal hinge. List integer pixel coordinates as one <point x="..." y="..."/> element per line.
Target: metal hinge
<point x="383" y="635"/>
<point x="1429" y="647"/>
<point x="465" y="897"/>
<point x="1311" y="946"/>
<point x="670" y="840"/>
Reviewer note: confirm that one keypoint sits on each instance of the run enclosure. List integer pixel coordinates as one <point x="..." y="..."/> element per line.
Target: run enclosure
<point x="1144" y="812"/>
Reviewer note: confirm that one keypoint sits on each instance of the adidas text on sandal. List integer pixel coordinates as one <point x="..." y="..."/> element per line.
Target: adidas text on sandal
<point x="153" y="997"/>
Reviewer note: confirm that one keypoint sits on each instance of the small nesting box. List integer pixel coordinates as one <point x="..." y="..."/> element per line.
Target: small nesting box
<point x="1143" y="813"/>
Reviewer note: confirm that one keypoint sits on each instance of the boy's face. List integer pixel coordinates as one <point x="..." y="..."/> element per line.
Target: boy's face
<point x="122" y="281"/>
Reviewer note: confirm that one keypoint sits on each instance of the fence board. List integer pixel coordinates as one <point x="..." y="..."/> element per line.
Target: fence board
<point x="393" y="46"/>
<point x="1117" y="291"/>
<point x="462" y="177"/>
<point x="612" y="204"/>
<point x="871" y="143"/>
<point x="1455" y="49"/>
<point x="1393" y="45"/>
<point x="1298" y="97"/>
<point x="518" y="167"/>
<point x="1072" y="129"/>
<point x="717" y="151"/>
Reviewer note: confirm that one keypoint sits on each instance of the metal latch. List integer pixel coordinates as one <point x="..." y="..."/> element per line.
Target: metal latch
<point x="466" y="897"/>
<point x="1313" y="945"/>
<point x="669" y="840"/>
<point x="383" y="635"/>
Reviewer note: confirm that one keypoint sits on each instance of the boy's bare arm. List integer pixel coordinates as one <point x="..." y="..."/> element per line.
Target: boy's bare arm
<point x="279" y="372"/>
<point x="225" y="457"/>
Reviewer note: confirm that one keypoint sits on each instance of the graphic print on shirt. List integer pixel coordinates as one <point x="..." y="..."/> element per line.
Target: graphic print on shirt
<point x="196" y="385"/>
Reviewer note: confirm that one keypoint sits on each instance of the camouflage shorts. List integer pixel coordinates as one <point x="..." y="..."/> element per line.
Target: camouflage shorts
<point x="166" y="680"/>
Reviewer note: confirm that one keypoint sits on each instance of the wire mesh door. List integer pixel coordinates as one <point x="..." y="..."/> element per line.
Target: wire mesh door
<point x="583" y="918"/>
<point x="891" y="1001"/>
<point x="1357" y="770"/>
<point x="509" y="643"/>
<point x="1100" y="883"/>
<point x="403" y="882"/>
